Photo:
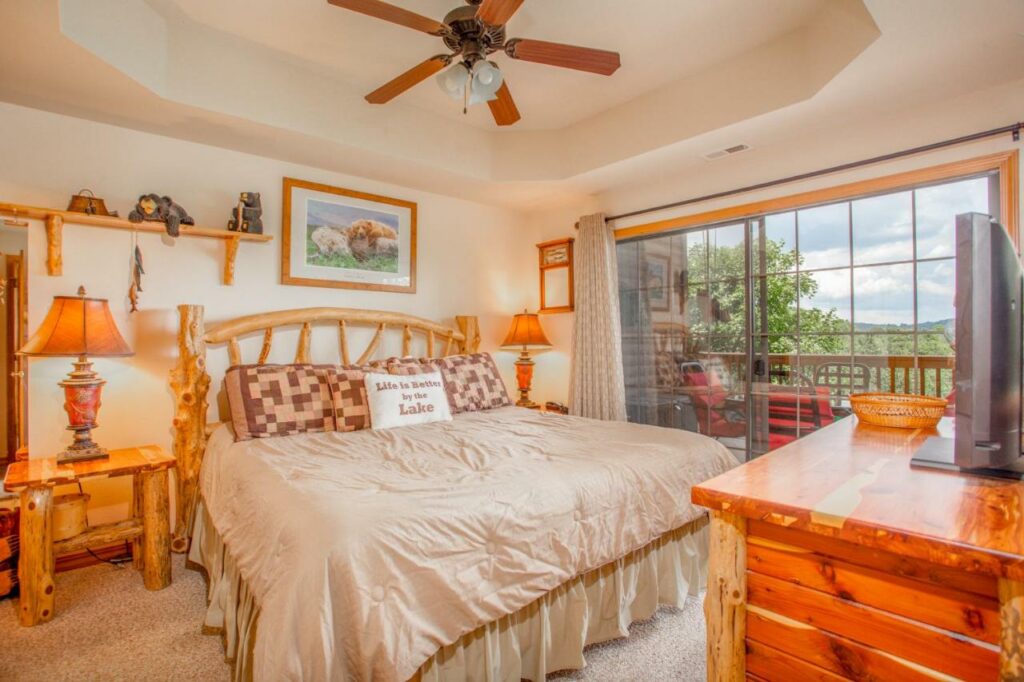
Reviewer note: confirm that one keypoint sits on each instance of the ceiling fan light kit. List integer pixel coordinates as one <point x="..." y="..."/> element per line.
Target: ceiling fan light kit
<point x="472" y="33"/>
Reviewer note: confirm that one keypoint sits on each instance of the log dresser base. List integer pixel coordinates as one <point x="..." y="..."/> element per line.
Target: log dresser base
<point x="832" y="559"/>
<point x="148" y="529"/>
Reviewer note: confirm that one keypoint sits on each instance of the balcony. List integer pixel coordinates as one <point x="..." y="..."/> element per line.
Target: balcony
<point x="925" y="375"/>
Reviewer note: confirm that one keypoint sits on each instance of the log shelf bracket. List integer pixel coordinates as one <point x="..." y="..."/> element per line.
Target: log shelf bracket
<point x="55" y="219"/>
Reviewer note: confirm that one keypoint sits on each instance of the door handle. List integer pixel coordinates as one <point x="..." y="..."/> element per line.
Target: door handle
<point x="17" y="375"/>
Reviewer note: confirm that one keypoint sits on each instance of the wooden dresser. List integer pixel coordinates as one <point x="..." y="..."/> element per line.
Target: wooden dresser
<point x="832" y="559"/>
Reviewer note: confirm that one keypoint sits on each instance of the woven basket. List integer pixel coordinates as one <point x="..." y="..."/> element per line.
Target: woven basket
<point x="898" y="410"/>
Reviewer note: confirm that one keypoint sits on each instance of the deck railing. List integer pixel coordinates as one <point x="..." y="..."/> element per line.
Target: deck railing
<point x="927" y="375"/>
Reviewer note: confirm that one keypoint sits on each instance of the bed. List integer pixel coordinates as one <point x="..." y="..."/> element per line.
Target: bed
<point x="491" y="547"/>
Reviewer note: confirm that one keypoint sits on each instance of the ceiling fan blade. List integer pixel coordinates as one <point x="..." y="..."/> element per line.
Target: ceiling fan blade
<point x="497" y="12"/>
<point x="396" y="15"/>
<point x="566" y="56"/>
<point x="413" y="76"/>
<point x="504" y="108"/>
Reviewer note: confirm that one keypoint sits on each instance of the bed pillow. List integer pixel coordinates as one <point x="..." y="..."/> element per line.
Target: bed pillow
<point x="406" y="400"/>
<point x="279" y="400"/>
<point x="351" y="408"/>
<point x="472" y="382"/>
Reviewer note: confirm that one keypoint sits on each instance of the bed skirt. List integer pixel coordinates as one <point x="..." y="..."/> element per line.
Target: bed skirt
<point x="545" y="636"/>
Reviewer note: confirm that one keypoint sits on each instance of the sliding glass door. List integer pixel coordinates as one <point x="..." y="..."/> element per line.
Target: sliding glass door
<point x="756" y="332"/>
<point x="684" y="308"/>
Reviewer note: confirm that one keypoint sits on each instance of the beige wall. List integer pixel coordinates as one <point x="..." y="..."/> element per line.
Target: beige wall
<point x="473" y="259"/>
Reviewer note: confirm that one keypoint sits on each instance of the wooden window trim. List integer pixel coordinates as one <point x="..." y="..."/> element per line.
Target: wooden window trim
<point x="1005" y="163"/>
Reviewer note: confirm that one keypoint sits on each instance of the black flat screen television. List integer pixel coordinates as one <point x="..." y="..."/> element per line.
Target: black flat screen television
<point x="989" y="375"/>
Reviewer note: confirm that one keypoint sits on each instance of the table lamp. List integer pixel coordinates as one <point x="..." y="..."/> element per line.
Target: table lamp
<point x="77" y="326"/>
<point x="525" y="335"/>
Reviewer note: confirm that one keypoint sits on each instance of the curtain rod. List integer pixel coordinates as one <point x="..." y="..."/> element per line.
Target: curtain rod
<point x="1014" y="129"/>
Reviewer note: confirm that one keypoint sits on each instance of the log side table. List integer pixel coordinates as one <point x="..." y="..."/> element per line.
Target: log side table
<point x="148" y="529"/>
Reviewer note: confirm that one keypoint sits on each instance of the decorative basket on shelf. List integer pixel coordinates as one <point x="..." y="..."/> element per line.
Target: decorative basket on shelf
<point x="898" y="410"/>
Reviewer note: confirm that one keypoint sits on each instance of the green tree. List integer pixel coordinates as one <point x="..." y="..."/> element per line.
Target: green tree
<point x="717" y="304"/>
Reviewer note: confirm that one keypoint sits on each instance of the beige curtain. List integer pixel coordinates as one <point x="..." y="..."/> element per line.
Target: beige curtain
<point x="596" y="389"/>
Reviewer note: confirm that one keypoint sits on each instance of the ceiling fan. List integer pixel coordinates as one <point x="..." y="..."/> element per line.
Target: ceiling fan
<point x="472" y="33"/>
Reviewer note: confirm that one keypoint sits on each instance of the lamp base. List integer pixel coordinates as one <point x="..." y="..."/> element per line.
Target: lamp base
<point x="73" y="454"/>
<point x="524" y="377"/>
<point x="82" y="389"/>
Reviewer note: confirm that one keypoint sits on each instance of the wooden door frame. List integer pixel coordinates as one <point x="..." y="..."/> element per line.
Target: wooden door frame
<point x="15" y="366"/>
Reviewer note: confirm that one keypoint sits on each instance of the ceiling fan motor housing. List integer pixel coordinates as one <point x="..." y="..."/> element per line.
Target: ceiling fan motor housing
<point x="469" y="36"/>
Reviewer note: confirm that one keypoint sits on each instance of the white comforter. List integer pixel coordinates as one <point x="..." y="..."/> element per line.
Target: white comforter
<point x="368" y="551"/>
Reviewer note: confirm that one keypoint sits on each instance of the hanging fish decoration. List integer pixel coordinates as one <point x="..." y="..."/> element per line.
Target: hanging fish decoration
<point x="137" y="273"/>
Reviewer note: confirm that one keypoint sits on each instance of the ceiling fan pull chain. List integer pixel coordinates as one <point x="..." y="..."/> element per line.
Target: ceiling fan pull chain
<point x="465" y="92"/>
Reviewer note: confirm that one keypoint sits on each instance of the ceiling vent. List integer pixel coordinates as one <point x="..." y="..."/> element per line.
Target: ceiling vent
<point x="728" y="151"/>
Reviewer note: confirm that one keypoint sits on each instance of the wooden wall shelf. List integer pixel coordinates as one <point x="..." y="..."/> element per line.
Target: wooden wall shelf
<point x="54" y="220"/>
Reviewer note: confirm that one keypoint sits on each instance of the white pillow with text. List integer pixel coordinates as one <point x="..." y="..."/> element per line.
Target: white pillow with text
<point x="399" y="400"/>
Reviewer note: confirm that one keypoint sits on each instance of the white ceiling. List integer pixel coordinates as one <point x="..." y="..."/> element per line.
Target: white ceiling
<point x="660" y="41"/>
<point x="285" y="79"/>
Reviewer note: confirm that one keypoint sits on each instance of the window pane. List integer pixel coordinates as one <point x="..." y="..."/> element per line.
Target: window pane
<point x="883" y="297"/>
<point x="822" y="347"/>
<point x="657" y="265"/>
<point x="697" y="314"/>
<point x="780" y="364"/>
<point x="935" y="291"/>
<point x="936" y="370"/>
<point x="694" y="243"/>
<point x="629" y="312"/>
<point x="825" y="301"/>
<point x="937" y="208"/>
<point x="883" y="231"/>
<point x="890" y="358"/>
<point x="824" y="236"/>
<point x="780" y="244"/>
<point x="726" y="251"/>
<point x="773" y="299"/>
<point x="728" y="307"/>
<point x="658" y="303"/>
<point x="934" y="344"/>
<point x="628" y="255"/>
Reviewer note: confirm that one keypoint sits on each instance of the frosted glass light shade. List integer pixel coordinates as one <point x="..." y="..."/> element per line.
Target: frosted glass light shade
<point x="453" y="80"/>
<point x="487" y="78"/>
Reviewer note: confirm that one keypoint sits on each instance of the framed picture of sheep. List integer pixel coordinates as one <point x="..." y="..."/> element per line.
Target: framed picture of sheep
<point x="335" y="237"/>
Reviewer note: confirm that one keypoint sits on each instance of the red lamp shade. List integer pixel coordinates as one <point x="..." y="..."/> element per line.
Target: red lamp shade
<point x="79" y="327"/>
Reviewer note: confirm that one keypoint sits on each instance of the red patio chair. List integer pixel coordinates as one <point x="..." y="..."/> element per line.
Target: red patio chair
<point x="708" y="394"/>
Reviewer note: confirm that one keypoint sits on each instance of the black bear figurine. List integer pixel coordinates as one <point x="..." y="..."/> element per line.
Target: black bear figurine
<point x="252" y="211"/>
<point x="161" y="210"/>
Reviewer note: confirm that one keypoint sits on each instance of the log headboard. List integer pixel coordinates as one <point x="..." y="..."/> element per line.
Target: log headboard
<point x="190" y="380"/>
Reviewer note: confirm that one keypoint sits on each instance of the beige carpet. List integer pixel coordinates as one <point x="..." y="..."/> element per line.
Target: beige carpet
<point x="108" y="627"/>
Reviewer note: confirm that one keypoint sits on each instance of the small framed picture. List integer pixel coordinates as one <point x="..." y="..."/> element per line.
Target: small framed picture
<point x="659" y="269"/>
<point x="335" y="237"/>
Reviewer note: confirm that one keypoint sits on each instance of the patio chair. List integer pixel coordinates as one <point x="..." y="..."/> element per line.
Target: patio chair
<point x="714" y="417"/>
<point x="797" y="410"/>
<point x="842" y="378"/>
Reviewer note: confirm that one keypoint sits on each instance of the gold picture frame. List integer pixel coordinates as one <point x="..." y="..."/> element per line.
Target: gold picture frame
<point x="349" y="239"/>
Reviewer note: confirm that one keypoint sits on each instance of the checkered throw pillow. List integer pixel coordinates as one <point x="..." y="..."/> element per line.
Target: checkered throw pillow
<point x="472" y="382"/>
<point x="279" y="400"/>
<point x="351" y="408"/>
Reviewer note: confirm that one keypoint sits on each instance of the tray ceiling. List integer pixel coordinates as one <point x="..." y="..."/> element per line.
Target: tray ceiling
<point x="286" y="79"/>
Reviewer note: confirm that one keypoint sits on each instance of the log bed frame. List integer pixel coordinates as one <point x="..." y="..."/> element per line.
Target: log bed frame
<point x="190" y="381"/>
